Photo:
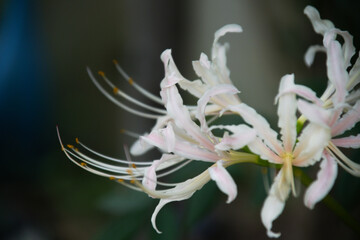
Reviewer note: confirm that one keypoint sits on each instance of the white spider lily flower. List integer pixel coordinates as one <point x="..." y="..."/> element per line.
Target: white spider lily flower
<point x="340" y="98"/>
<point x="289" y="152"/>
<point x="183" y="137"/>
<point x="212" y="73"/>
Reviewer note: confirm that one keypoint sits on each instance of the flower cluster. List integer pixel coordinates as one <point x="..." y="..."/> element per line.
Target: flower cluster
<point x="185" y="133"/>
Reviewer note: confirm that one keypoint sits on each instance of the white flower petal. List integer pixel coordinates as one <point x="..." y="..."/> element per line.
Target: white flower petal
<point x="336" y="69"/>
<point x="312" y="142"/>
<point x="314" y="113"/>
<point x="223" y="180"/>
<point x="310" y="54"/>
<point x="320" y="26"/>
<point x="287" y="113"/>
<point x="230" y="28"/>
<point x="259" y="123"/>
<point x="180" y="114"/>
<point x="347" y="142"/>
<point x="347" y="121"/>
<point x="324" y="182"/>
<point x="203" y="101"/>
<point x="274" y="203"/>
<point x="242" y="136"/>
<point x="140" y="147"/>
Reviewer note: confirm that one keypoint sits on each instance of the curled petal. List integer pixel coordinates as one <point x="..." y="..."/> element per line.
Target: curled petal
<point x="354" y="74"/>
<point x="223" y="180"/>
<point x="274" y="203"/>
<point x="203" y="101"/>
<point x="150" y="178"/>
<point x="259" y="123"/>
<point x="310" y="54"/>
<point x="314" y="113"/>
<point x="242" y="136"/>
<point x="320" y="26"/>
<point x="324" y="182"/>
<point x="226" y="29"/>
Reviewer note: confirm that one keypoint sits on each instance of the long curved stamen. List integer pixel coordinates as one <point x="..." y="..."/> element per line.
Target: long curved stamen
<point x="117" y="91"/>
<point x="350" y="166"/>
<point x="117" y="102"/>
<point x="136" y="86"/>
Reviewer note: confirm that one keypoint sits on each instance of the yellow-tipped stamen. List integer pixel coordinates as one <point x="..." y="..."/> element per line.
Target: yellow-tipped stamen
<point x="101" y="73"/>
<point x="115" y="90"/>
<point x="111" y="178"/>
<point x="77" y="140"/>
<point x="70" y="146"/>
<point x="83" y="164"/>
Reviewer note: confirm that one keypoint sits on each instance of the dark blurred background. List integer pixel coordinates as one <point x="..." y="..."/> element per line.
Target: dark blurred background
<point x="45" y="47"/>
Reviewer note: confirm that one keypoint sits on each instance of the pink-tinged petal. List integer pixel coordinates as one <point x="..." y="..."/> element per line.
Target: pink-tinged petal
<point x="230" y="28"/>
<point x="196" y="88"/>
<point x="275" y="203"/>
<point x="324" y="182"/>
<point x="242" y="136"/>
<point x="301" y="91"/>
<point x="310" y="54"/>
<point x="354" y="74"/>
<point x="169" y="135"/>
<point x="320" y="26"/>
<point x="312" y="142"/>
<point x="203" y="101"/>
<point x="347" y="142"/>
<point x="219" y="63"/>
<point x="347" y="121"/>
<point x="181" y="148"/>
<point x="287" y="113"/>
<point x="336" y="69"/>
<point x="223" y="180"/>
<point x="259" y="123"/>
<point x="180" y="114"/>
<point x="140" y="147"/>
<point x="348" y="48"/>
<point x="150" y="179"/>
<point x="258" y="147"/>
<point x="314" y="113"/>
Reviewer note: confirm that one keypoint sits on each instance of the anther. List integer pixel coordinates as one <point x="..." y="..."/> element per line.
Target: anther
<point x="115" y="90"/>
<point x="122" y="131"/>
<point x="133" y="165"/>
<point x="120" y="180"/>
<point x="129" y="171"/>
<point x="131" y="81"/>
<point x="83" y="164"/>
<point x="111" y="178"/>
<point x="132" y="181"/>
<point x="77" y="140"/>
<point x="114" y="61"/>
<point x="101" y="73"/>
<point x="70" y="146"/>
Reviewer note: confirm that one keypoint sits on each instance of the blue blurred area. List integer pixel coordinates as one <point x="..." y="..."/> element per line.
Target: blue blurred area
<point x="23" y="102"/>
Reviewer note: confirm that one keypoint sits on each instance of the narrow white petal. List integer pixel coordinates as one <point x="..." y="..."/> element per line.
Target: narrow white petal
<point x="312" y="142"/>
<point x="259" y="123"/>
<point x="336" y="69"/>
<point x="310" y="54"/>
<point x="347" y="121"/>
<point x="320" y="26"/>
<point x="230" y="28"/>
<point x="274" y="203"/>
<point x="223" y="180"/>
<point x="314" y="113"/>
<point x="140" y="147"/>
<point x="324" y="182"/>
<point x="161" y="204"/>
<point x="203" y="101"/>
<point x="287" y="113"/>
<point x="347" y="142"/>
<point x="242" y="136"/>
